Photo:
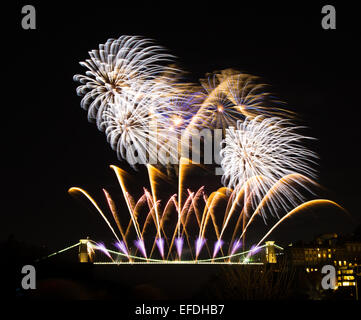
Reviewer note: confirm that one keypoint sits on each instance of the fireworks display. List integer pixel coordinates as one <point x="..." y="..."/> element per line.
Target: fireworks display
<point x="146" y="112"/>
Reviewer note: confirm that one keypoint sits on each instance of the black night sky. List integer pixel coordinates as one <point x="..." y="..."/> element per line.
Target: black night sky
<point x="50" y="146"/>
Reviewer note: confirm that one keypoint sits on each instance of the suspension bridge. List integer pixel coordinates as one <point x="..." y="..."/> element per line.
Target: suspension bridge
<point x="92" y="252"/>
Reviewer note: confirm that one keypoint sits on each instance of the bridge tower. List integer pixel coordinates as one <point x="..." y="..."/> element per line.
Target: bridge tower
<point x="270" y="252"/>
<point x="83" y="255"/>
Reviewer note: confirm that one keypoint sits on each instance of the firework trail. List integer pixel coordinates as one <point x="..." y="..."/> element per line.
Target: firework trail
<point x="198" y="208"/>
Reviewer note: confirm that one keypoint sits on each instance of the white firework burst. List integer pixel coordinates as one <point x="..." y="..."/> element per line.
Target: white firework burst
<point x="119" y="67"/>
<point x="136" y="126"/>
<point x="262" y="151"/>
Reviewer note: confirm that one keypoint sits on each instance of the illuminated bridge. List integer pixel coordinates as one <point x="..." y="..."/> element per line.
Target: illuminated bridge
<point x="90" y="251"/>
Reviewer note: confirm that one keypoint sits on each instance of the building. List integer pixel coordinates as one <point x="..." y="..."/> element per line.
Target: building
<point x="329" y="249"/>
